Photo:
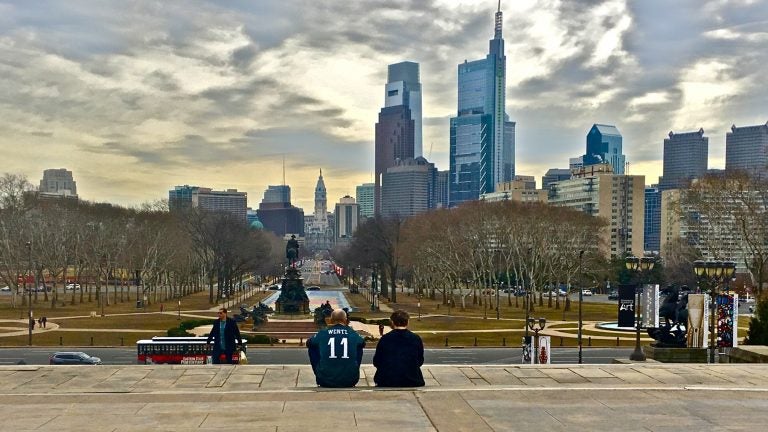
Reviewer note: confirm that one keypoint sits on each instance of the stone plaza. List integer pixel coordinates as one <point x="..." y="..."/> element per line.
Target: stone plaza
<point x="625" y="397"/>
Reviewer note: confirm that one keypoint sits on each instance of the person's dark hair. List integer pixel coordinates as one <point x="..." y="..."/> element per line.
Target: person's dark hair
<point x="223" y="310"/>
<point x="399" y="318"/>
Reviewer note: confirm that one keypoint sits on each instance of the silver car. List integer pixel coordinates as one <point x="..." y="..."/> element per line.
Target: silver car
<point x="73" y="358"/>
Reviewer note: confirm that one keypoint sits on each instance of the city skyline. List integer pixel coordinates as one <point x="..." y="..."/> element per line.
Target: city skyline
<point x="135" y="100"/>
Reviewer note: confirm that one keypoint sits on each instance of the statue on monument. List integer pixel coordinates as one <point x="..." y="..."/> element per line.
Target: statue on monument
<point x="292" y="251"/>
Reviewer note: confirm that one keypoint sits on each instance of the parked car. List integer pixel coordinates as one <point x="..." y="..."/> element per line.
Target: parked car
<point x="73" y="358"/>
<point x="613" y="295"/>
<point x="5" y="288"/>
<point x="274" y="288"/>
<point x="313" y="288"/>
<point x="586" y="292"/>
<point x="71" y="287"/>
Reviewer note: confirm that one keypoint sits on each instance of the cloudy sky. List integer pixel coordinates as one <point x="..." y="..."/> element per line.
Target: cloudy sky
<point x="138" y="96"/>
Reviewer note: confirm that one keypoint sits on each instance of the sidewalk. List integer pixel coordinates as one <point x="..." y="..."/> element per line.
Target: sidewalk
<point x="278" y="398"/>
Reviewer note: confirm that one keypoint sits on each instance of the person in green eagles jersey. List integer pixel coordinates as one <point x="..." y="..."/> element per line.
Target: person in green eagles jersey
<point x="336" y="353"/>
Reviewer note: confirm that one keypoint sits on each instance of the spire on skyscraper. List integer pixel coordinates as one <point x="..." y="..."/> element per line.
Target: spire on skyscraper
<point x="499" y="20"/>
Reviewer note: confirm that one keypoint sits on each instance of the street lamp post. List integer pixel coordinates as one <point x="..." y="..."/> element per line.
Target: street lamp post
<point x="418" y="305"/>
<point x="179" y="315"/>
<point x="30" y="320"/>
<point x="716" y="273"/>
<point x="542" y="322"/>
<point x="638" y="265"/>
<point x="581" y="300"/>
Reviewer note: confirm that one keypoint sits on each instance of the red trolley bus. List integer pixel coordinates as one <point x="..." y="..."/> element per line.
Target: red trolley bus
<point x="180" y="350"/>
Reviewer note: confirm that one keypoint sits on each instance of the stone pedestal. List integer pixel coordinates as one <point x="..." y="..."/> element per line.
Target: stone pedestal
<point x="293" y="298"/>
<point x="676" y="355"/>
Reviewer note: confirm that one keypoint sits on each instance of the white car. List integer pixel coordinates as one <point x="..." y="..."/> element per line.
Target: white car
<point x="72" y="287"/>
<point x="6" y="289"/>
<point x="586" y="292"/>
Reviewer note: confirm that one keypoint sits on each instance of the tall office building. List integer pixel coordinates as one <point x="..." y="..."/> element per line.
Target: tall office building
<point x="58" y="182"/>
<point x="685" y="158"/>
<point x="404" y="88"/>
<point x="181" y="197"/>
<point x="278" y="215"/>
<point x="398" y="131"/>
<point x="604" y="146"/>
<point x="482" y="139"/>
<point x="364" y="194"/>
<point x="346" y="215"/>
<point x="619" y="199"/>
<point x="277" y="194"/>
<point x="652" y="220"/>
<point x="408" y="188"/>
<point x="746" y="149"/>
<point x="394" y="141"/>
<point x="576" y="163"/>
<point x="230" y="201"/>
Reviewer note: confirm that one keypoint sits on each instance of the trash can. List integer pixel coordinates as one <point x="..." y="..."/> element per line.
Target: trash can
<point x="139" y="304"/>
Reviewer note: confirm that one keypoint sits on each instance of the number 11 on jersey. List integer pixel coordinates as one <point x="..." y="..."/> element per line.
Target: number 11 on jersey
<point x="332" y="344"/>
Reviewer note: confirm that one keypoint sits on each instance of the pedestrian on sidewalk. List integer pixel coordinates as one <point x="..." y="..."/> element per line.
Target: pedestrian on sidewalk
<point x="336" y="353"/>
<point x="44" y="320"/>
<point x="381" y="330"/>
<point x="225" y="335"/>
<point x="399" y="355"/>
<point x="161" y="307"/>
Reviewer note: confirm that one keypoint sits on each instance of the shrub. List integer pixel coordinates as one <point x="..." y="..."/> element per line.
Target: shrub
<point x="758" y="325"/>
<point x="190" y="324"/>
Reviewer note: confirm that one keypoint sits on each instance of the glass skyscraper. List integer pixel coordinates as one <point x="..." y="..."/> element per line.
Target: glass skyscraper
<point x="652" y="220"/>
<point x="604" y="146"/>
<point x="482" y="150"/>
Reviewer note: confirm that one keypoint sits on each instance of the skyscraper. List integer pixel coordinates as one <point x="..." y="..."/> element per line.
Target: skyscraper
<point x="685" y="158"/>
<point x="404" y="88"/>
<point x="394" y="141"/>
<point x="58" y="182"/>
<point x="364" y="194"/>
<point x="408" y="188"/>
<point x="181" y="197"/>
<point x="482" y="150"/>
<point x="604" y="146"/>
<point x="277" y="194"/>
<point x="278" y="215"/>
<point x="746" y="148"/>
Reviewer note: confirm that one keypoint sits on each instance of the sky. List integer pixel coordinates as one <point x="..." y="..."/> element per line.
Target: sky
<point x="137" y="97"/>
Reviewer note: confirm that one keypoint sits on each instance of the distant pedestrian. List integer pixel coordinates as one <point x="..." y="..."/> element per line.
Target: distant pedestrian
<point x="40" y="322"/>
<point x="336" y="353"/>
<point x="225" y="336"/>
<point x="381" y="329"/>
<point x="399" y="355"/>
<point x="161" y="307"/>
<point x="45" y="321"/>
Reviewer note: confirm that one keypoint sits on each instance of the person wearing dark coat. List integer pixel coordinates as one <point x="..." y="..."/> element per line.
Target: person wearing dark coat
<point x="399" y="355"/>
<point x="225" y="335"/>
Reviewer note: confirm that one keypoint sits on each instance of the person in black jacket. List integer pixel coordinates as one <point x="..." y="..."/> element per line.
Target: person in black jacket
<point x="225" y="336"/>
<point x="399" y="355"/>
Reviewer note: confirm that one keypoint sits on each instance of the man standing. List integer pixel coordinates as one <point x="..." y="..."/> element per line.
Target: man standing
<point x="225" y="335"/>
<point x="399" y="355"/>
<point x="336" y="353"/>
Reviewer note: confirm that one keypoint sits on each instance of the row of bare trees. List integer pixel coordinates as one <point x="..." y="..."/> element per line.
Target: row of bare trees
<point x="726" y="218"/>
<point x="481" y="245"/>
<point x="171" y="254"/>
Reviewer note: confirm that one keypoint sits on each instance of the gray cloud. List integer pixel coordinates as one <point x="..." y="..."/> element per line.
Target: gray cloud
<point x="179" y="85"/>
